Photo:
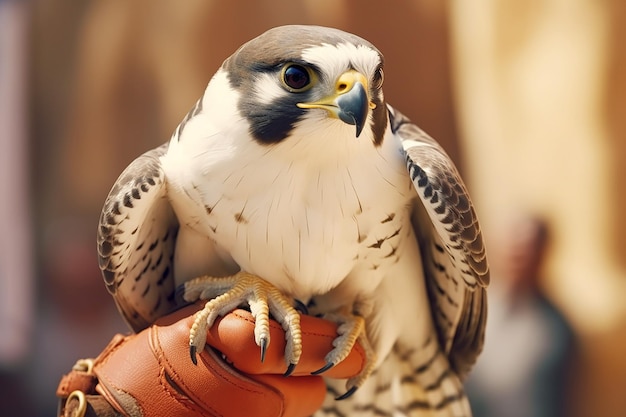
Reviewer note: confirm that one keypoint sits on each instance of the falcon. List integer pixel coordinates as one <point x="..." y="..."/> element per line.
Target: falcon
<point x="291" y="182"/>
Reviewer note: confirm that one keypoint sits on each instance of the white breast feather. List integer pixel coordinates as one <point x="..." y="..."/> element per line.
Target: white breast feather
<point x="295" y="213"/>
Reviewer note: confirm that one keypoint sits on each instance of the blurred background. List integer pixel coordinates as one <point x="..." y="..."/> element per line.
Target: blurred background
<point x="528" y="97"/>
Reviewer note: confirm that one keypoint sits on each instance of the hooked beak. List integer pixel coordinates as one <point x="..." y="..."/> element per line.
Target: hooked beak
<point x="349" y="103"/>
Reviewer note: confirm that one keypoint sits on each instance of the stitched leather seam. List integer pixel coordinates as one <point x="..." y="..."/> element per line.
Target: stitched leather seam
<point x="167" y="391"/>
<point x="161" y="358"/>
<point x="109" y="382"/>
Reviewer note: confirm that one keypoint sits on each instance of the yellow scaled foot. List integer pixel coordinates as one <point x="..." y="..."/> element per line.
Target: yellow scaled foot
<point x="225" y="294"/>
<point x="351" y="328"/>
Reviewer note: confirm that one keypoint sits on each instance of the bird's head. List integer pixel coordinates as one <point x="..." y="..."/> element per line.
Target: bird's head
<point x="306" y="79"/>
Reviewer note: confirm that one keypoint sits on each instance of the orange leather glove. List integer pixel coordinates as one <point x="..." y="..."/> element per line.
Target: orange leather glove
<point x="151" y="373"/>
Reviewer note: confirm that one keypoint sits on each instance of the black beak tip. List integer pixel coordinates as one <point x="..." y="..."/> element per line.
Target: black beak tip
<point x="359" y="129"/>
<point x="354" y="108"/>
<point x="351" y="119"/>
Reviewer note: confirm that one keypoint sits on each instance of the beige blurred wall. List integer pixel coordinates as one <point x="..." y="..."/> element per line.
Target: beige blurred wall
<point x="541" y="94"/>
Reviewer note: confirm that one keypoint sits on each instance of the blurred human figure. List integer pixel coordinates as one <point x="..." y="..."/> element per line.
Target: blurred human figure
<point x="523" y="369"/>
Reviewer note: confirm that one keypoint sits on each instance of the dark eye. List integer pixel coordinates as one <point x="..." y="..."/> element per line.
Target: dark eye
<point x="296" y="78"/>
<point x="379" y="77"/>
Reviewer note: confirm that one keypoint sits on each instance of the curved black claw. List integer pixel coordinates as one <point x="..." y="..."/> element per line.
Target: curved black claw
<point x="192" y="353"/>
<point x="290" y="369"/>
<point x="301" y="307"/>
<point x="323" y="369"/>
<point x="347" y="394"/>
<point x="179" y="293"/>
<point x="263" y="349"/>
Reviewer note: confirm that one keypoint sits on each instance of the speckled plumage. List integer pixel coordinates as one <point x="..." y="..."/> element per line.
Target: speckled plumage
<point x="380" y="226"/>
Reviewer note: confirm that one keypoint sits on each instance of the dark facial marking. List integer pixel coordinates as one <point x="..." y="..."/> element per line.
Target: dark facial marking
<point x="379" y="120"/>
<point x="273" y="122"/>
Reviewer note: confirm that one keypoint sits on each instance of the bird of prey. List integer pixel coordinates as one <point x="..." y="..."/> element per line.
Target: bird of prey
<point x="292" y="179"/>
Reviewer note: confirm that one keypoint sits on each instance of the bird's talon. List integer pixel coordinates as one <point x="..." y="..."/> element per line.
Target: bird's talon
<point x="263" y="345"/>
<point x="179" y="295"/>
<point x="192" y="353"/>
<point x="347" y="393"/>
<point x="323" y="369"/>
<point x="226" y="293"/>
<point x="290" y="369"/>
<point x="301" y="307"/>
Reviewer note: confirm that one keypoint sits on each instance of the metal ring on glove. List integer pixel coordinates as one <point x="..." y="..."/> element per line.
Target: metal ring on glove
<point x="83" y="365"/>
<point x="82" y="402"/>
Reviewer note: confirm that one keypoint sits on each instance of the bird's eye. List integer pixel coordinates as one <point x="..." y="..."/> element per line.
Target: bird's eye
<point x="379" y="77"/>
<point x="296" y="78"/>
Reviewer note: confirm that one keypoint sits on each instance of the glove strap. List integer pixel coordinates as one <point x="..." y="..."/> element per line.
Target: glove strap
<point x="77" y="393"/>
<point x="151" y="374"/>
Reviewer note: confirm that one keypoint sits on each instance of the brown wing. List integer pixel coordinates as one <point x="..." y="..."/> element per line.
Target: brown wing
<point x="452" y="247"/>
<point x="136" y="240"/>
